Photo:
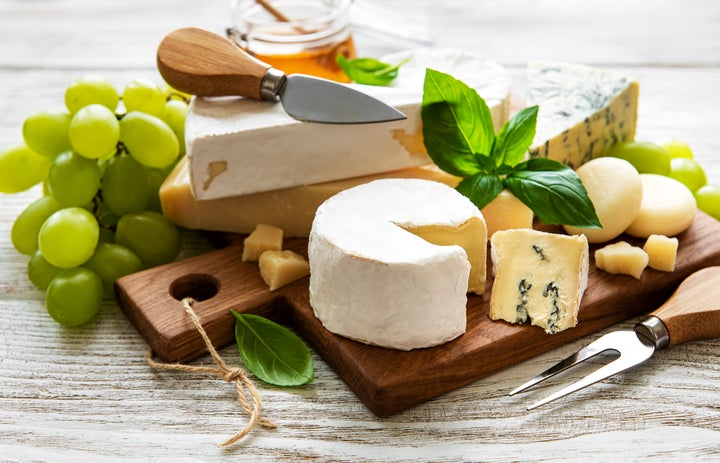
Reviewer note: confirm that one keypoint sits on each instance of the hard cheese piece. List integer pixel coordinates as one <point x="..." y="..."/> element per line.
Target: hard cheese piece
<point x="538" y="276"/>
<point x="506" y="212"/>
<point x="583" y="111"/>
<point x="668" y="207"/>
<point x="374" y="280"/>
<point x="616" y="191"/>
<point x="263" y="238"/>
<point x="240" y="146"/>
<point x="622" y="258"/>
<point x="291" y="209"/>
<point x="662" y="252"/>
<point x="279" y="268"/>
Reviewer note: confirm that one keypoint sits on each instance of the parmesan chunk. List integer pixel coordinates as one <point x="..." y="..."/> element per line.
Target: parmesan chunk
<point x="622" y="258"/>
<point x="662" y="252"/>
<point x="279" y="268"/>
<point x="263" y="238"/>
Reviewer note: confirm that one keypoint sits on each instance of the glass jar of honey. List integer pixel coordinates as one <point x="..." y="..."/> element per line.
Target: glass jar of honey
<point x="296" y="36"/>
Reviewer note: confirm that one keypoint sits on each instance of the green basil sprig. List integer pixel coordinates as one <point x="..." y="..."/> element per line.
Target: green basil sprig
<point x="272" y="352"/>
<point x="460" y="138"/>
<point x="369" y="71"/>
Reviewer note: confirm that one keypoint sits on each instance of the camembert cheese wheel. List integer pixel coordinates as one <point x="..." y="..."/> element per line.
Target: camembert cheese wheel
<point x="391" y="262"/>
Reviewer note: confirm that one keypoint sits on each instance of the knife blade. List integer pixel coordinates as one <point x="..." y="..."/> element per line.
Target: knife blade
<point x="202" y="63"/>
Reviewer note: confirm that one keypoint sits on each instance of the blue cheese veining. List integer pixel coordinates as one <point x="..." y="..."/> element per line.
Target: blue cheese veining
<point x="583" y="111"/>
<point x="539" y="277"/>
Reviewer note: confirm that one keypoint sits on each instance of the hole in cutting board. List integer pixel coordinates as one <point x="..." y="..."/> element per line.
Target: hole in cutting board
<point x="199" y="286"/>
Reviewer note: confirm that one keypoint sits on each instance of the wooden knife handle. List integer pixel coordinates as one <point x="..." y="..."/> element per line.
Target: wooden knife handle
<point x="693" y="312"/>
<point x="202" y="63"/>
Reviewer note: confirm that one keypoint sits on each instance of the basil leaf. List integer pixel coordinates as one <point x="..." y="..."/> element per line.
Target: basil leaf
<point x="554" y="192"/>
<point x="515" y="137"/>
<point x="481" y="188"/>
<point x="369" y="71"/>
<point x="272" y="352"/>
<point x="457" y="124"/>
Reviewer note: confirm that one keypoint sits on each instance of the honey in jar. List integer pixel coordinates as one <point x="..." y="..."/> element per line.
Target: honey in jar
<point x="296" y="36"/>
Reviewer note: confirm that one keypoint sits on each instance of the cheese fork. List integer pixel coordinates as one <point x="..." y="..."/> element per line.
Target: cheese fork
<point x="691" y="314"/>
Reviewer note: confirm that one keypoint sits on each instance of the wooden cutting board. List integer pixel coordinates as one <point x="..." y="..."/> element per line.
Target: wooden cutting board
<point x="387" y="381"/>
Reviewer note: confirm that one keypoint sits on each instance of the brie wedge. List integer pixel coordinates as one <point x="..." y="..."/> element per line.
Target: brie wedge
<point x="377" y="277"/>
<point x="238" y="146"/>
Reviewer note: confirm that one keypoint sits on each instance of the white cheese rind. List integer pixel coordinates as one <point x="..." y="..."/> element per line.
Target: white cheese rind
<point x="582" y="111"/>
<point x="488" y="78"/>
<point x="374" y="281"/>
<point x="238" y="146"/>
<point x="538" y="276"/>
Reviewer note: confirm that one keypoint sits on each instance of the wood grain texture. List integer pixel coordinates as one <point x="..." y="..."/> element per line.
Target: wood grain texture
<point x="86" y="394"/>
<point x="200" y="62"/>
<point x="693" y="311"/>
<point x="388" y="381"/>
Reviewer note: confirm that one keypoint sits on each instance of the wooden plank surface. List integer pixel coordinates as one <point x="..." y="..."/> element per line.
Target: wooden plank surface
<point x="387" y="381"/>
<point x="87" y="394"/>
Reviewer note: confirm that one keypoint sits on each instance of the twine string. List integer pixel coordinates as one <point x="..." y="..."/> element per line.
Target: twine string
<point x="243" y="384"/>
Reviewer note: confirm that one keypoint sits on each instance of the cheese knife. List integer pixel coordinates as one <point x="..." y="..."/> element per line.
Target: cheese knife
<point x="202" y="63"/>
<point x="691" y="314"/>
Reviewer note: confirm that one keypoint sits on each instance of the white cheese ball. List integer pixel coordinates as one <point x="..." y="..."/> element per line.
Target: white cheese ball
<point x="615" y="188"/>
<point x="668" y="207"/>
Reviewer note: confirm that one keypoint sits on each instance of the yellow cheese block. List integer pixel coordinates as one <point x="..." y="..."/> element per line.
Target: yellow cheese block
<point x="291" y="209"/>
<point x="622" y="258"/>
<point x="279" y="268"/>
<point x="662" y="252"/>
<point x="263" y="238"/>
<point x="506" y="212"/>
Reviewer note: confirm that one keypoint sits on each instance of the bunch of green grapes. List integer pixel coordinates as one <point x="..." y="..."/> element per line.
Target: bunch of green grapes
<point x="101" y="163"/>
<point x="675" y="159"/>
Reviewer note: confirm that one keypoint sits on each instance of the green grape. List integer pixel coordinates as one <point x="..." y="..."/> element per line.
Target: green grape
<point x="647" y="158"/>
<point x="46" y="133"/>
<point x="689" y="172"/>
<point x="106" y="236"/>
<point x="73" y="179"/>
<point x="112" y="261"/>
<point x="708" y="200"/>
<point x="89" y="90"/>
<point x="74" y="296"/>
<point x="25" y="230"/>
<point x="173" y="93"/>
<point x="68" y="237"/>
<point x="150" y="235"/>
<point x="148" y="139"/>
<point x="143" y="95"/>
<point x="677" y="149"/>
<point x="125" y="185"/>
<point x="156" y="177"/>
<point x="106" y="217"/>
<point x="21" y="168"/>
<point x="174" y="114"/>
<point x="94" y="131"/>
<point x="40" y="271"/>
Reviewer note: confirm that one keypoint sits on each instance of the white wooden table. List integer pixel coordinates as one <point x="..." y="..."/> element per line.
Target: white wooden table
<point x="86" y="394"/>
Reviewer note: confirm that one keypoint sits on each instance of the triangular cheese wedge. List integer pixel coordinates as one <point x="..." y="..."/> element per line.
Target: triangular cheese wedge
<point x="583" y="111"/>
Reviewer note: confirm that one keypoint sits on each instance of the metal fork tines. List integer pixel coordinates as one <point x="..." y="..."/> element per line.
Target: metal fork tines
<point x="633" y="349"/>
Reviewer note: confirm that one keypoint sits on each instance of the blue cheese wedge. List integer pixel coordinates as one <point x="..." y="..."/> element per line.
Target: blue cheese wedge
<point x="583" y="111"/>
<point x="539" y="277"/>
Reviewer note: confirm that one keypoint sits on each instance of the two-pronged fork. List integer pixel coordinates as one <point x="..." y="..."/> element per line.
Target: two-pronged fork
<point x="692" y="313"/>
